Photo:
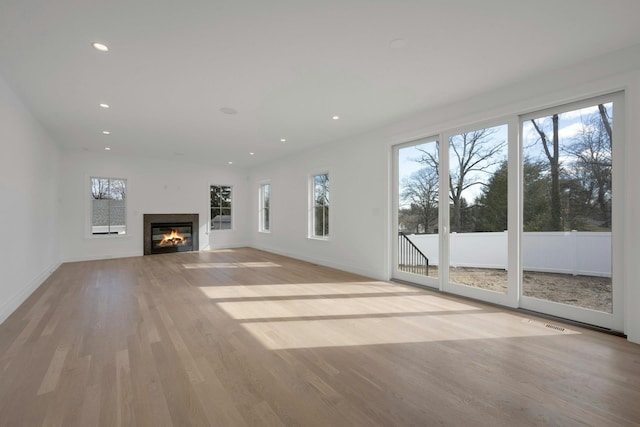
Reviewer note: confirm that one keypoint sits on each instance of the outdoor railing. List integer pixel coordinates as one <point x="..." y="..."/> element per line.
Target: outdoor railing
<point x="410" y="258"/>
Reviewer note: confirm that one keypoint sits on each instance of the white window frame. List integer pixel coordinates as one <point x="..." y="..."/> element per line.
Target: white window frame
<point x="90" y="233"/>
<point x="614" y="320"/>
<point x="231" y="206"/>
<point x="311" y="219"/>
<point x="262" y="208"/>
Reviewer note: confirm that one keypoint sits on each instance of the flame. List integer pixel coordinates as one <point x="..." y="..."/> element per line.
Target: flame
<point x="172" y="239"/>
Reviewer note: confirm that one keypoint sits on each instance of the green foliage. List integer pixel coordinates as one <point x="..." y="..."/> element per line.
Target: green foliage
<point x="491" y="212"/>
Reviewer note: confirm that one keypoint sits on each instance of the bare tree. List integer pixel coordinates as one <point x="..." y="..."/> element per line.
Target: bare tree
<point x="592" y="152"/>
<point x="108" y="188"/>
<point x="606" y="121"/>
<point x="552" y="151"/>
<point x="421" y="190"/>
<point x="99" y="188"/>
<point x="472" y="154"/>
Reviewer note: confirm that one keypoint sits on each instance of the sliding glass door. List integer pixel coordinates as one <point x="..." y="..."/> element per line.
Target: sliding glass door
<point x="569" y="198"/>
<point x="521" y="212"/>
<point x="416" y="239"/>
<point x="477" y="242"/>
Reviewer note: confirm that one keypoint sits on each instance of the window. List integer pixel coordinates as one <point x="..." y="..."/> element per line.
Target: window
<point x="265" y="200"/>
<point x="220" y="207"/>
<point x="319" y="223"/>
<point x="568" y="199"/>
<point x="108" y="201"/>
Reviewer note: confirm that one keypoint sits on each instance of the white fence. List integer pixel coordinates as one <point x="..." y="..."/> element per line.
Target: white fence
<point x="571" y="252"/>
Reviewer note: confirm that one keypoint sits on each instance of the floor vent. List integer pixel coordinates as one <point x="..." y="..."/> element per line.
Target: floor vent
<point x="546" y="325"/>
<point x="557" y="328"/>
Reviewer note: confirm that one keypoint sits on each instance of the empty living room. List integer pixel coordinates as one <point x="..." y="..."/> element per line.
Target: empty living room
<point x="352" y="213"/>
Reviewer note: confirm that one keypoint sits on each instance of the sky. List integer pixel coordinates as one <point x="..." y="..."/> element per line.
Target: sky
<point x="570" y="125"/>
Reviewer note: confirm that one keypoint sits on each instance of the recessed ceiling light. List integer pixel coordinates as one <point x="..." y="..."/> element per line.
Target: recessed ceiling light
<point x="283" y="140"/>
<point x="251" y="154"/>
<point x="229" y="110"/>
<point x="106" y="132"/>
<point x="99" y="46"/>
<point x="230" y="163"/>
<point x="336" y="117"/>
<point x="398" y="43"/>
<point x="104" y="105"/>
<point x="107" y="148"/>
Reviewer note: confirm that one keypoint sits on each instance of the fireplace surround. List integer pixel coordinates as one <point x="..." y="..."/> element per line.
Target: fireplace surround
<point x="165" y="233"/>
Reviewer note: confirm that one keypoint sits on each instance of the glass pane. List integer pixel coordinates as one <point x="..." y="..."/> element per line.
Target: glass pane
<point x="566" y="243"/>
<point x="321" y="205"/>
<point x="264" y="212"/>
<point x="108" y="206"/>
<point x="117" y="189"/>
<point x="418" y="243"/>
<point x="225" y="219"/>
<point x="117" y="197"/>
<point x="220" y="207"/>
<point x="225" y="197"/>
<point x="215" y="196"/>
<point x="478" y="208"/>
<point x="117" y="220"/>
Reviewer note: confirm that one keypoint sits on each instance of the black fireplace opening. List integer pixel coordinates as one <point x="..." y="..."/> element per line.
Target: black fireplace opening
<point x="171" y="237"/>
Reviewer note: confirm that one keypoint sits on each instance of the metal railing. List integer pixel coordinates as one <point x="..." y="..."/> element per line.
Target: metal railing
<point x="410" y="258"/>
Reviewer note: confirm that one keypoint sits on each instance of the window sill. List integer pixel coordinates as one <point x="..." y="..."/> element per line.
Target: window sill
<point x="320" y="239"/>
<point x="107" y="236"/>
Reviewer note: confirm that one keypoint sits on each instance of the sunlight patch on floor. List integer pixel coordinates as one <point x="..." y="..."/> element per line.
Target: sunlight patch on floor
<point x="231" y="265"/>
<point x="304" y="289"/>
<point x="391" y="330"/>
<point x="244" y="310"/>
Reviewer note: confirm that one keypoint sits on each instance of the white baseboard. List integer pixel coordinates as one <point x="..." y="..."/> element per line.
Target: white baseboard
<point x="8" y="307"/>
<point x="326" y="263"/>
<point x="99" y="257"/>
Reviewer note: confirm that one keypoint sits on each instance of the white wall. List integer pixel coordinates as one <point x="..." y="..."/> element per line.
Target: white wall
<point x="358" y="219"/>
<point x="29" y="252"/>
<point x="361" y="173"/>
<point x="630" y="221"/>
<point x="153" y="186"/>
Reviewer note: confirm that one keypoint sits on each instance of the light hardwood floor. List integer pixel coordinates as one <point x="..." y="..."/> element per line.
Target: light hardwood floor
<point x="243" y="337"/>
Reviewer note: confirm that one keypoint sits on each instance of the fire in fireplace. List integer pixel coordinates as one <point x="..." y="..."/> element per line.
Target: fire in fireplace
<point x="174" y="237"/>
<point x="165" y="233"/>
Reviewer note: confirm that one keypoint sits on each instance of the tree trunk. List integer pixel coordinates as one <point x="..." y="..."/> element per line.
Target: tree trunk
<point x="554" y="166"/>
<point x="605" y="121"/>
<point x="556" y="212"/>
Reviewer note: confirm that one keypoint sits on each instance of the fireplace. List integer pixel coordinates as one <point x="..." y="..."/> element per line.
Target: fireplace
<point x="165" y="233"/>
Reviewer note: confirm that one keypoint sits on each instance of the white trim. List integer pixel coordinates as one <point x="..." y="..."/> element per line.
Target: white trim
<point x="261" y="221"/>
<point x="311" y="205"/>
<point x="508" y="298"/>
<point x="88" y="233"/>
<point x="101" y="257"/>
<point x="232" y="207"/>
<point x="614" y="320"/>
<point x="513" y="298"/>
<point x="432" y="282"/>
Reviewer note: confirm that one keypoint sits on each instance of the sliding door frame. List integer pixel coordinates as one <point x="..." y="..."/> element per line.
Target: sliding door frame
<point x="615" y="319"/>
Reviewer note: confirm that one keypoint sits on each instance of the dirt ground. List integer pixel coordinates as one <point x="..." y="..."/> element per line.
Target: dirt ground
<point x="582" y="291"/>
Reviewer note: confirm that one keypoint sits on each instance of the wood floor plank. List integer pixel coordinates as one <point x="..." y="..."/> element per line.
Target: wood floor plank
<point x="52" y="376"/>
<point x="244" y="337"/>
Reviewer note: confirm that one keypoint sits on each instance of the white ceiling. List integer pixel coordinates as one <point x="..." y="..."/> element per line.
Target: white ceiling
<point x="286" y="66"/>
